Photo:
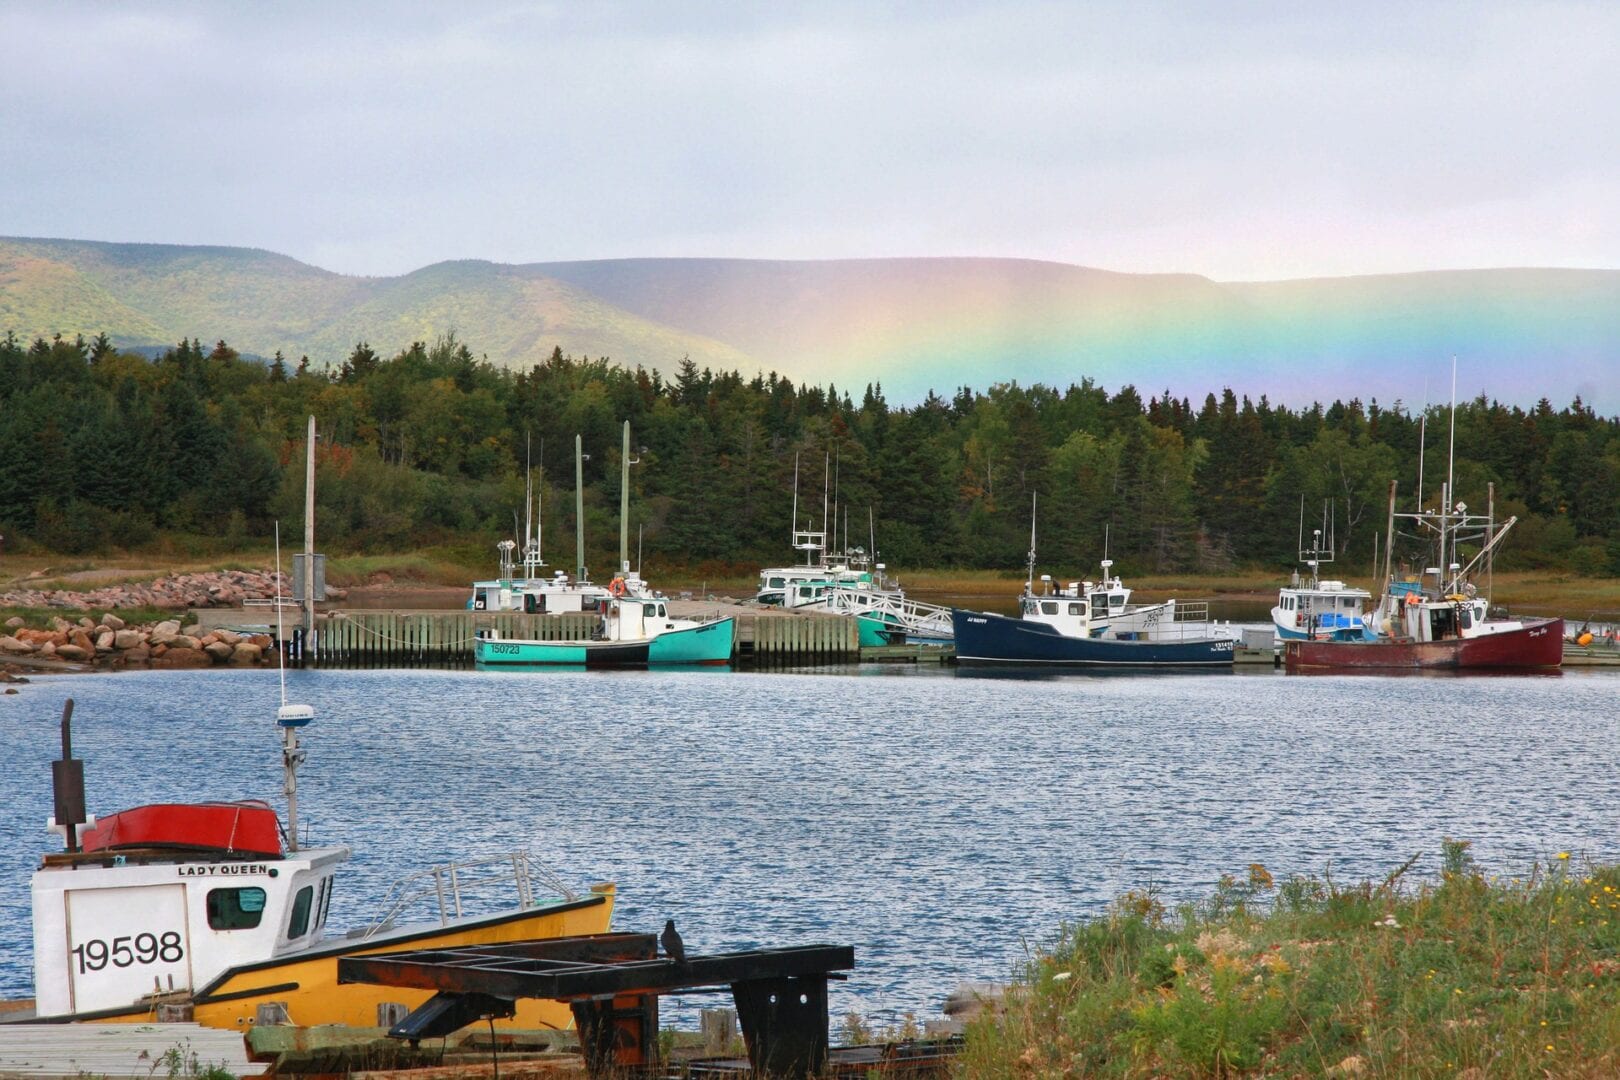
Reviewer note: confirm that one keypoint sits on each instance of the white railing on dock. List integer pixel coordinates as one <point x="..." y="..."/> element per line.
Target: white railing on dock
<point x="898" y="612"/>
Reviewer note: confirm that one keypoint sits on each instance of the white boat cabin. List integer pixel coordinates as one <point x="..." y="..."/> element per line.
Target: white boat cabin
<point x="1322" y="607"/>
<point x="636" y="619"/>
<point x="112" y="928"/>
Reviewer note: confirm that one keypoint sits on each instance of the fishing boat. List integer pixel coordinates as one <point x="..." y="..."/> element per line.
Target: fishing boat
<point x="1077" y="625"/>
<point x="986" y="638"/>
<point x="1439" y="619"/>
<point x="1315" y="609"/>
<point x="534" y="593"/>
<point x="634" y="631"/>
<point x="216" y="913"/>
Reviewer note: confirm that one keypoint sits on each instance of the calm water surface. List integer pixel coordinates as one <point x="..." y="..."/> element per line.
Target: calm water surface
<point x="941" y="822"/>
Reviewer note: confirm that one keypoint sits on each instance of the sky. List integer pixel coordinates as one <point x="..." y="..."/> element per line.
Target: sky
<point x="1242" y="141"/>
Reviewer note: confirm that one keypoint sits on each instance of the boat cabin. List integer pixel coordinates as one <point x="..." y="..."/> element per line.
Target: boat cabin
<point x="1068" y="615"/>
<point x="632" y="619"/>
<point x="1326" y="608"/>
<point x="166" y="898"/>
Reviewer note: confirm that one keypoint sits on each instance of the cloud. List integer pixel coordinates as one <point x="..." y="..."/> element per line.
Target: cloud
<point x="1246" y="140"/>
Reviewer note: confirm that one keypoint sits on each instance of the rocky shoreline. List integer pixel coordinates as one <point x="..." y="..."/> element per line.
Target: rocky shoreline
<point x="109" y="642"/>
<point x="177" y="592"/>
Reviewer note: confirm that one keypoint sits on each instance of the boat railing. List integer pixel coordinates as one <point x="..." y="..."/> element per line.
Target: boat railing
<point x="912" y="616"/>
<point x="450" y="885"/>
<point x="1186" y="620"/>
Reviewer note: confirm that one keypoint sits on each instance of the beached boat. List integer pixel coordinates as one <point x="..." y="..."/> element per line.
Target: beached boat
<point x="634" y="631"/>
<point x="213" y="912"/>
<point x="1439" y="619"/>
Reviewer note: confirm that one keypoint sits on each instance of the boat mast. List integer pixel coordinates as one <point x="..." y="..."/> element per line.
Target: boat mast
<point x="793" y="529"/>
<point x="1448" y="538"/>
<point x="1029" y="585"/>
<point x="579" y="509"/>
<point x="826" y="474"/>
<point x="624" y="502"/>
<point x="1490" y="533"/>
<point x="289" y="718"/>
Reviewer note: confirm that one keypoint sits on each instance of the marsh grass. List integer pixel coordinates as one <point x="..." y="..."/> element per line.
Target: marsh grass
<point x="1470" y="976"/>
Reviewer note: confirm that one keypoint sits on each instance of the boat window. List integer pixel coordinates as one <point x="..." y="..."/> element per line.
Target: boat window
<point x="1467" y="618"/>
<point x="298" y="924"/>
<point x="1077" y="609"/>
<point x="235" y="909"/>
<point x="326" y="901"/>
<point x="661" y="612"/>
<point x="649" y="609"/>
<point x="776" y="583"/>
<point x="1049" y="607"/>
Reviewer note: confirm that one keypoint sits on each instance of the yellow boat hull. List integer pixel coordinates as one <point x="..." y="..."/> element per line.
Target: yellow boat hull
<point x="306" y="983"/>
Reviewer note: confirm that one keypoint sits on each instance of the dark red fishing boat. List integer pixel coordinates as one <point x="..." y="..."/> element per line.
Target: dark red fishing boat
<point x="1520" y="645"/>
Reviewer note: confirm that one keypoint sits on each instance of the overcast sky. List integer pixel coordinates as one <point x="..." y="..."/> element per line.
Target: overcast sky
<point x="1238" y="141"/>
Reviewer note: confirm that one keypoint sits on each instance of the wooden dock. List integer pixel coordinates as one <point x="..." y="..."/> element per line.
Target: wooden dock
<point x="119" y="1050"/>
<point x="424" y="638"/>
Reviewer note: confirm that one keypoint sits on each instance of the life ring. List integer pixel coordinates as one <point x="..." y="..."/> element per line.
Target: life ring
<point x="1412" y="600"/>
<point x="617" y="587"/>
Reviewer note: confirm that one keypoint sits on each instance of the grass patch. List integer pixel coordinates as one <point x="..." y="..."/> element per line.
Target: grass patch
<point x="40" y="618"/>
<point x="1470" y="976"/>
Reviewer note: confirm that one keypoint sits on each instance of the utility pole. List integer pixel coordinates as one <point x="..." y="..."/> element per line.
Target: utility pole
<point x="309" y="531"/>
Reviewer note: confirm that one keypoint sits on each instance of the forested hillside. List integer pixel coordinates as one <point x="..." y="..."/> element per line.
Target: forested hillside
<point x="101" y="449"/>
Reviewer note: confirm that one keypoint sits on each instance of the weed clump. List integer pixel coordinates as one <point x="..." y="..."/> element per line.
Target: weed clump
<point x="1467" y="975"/>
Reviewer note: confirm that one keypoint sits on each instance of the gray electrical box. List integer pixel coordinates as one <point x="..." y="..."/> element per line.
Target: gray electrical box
<point x="298" y="578"/>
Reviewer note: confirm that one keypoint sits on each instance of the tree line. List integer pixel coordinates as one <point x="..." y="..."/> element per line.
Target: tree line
<point x="105" y="448"/>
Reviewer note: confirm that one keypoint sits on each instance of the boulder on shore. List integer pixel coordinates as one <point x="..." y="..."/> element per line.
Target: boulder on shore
<point x="246" y="652"/>
<point x="182" y="658"/>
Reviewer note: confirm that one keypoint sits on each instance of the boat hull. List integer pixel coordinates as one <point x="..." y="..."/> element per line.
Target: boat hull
<point x="306" y="982"/>
<point x="983" y="638"/>
<point x="706" y="643"/>
<point x="1538" y="644"/>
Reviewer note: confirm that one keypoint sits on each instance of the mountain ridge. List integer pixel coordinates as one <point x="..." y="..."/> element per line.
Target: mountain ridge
<point x="912" y="323"/>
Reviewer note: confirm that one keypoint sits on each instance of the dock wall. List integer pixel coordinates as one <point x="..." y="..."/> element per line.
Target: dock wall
<point x="386" y="639"/>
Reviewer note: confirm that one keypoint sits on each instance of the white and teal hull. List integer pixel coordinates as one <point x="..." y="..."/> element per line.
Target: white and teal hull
<point x="706" y="643"/>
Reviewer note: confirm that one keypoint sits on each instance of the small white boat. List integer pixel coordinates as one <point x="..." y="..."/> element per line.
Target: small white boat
<point x="1314" y="609"/>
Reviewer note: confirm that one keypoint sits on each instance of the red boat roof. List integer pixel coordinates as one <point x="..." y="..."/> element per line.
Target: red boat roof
<point x="248" y="827"/>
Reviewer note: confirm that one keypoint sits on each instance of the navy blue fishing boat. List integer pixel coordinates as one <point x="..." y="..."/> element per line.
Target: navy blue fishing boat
<point x="1058" y="627"/>
<point x="983" y="638"/>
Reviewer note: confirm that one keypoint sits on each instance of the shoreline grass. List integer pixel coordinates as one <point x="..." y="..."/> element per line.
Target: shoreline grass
<point x="1469" y="976"/>
<point x="1537" y="592"/>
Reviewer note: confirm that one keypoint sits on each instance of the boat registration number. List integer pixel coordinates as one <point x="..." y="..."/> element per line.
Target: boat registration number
<point x="498" y="649"/>
<point x="128" y="950"/>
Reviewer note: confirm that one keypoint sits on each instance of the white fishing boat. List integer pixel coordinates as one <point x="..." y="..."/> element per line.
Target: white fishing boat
<point x="216" y="913"/>
<point x="1316" y="609"/>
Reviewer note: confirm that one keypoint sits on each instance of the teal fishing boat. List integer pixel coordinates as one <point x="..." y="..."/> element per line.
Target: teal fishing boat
<point x="635" y="632"/>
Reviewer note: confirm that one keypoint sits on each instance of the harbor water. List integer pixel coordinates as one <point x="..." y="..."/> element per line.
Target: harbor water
<point x="943" y="822"/>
